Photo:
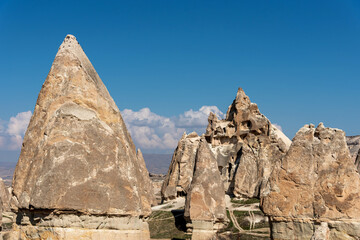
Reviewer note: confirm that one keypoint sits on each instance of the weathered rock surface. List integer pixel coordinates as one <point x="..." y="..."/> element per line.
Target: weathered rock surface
<point x="247" y="148"/>
<point x="5" y="196"/>
<point x="181" y="170"/>
<point x="353" y="143"/>
<point x="77" y="155"/>
<point x="205" y="206"/>
<point x="316" y="192"/>
<point x="148" y="198"/>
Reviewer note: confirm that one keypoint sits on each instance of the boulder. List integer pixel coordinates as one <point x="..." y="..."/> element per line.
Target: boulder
<point x="78" y="166"/>
<point x="205" y="207"/>
<point x="181" y="170"/>
<point x="316" y="192"/>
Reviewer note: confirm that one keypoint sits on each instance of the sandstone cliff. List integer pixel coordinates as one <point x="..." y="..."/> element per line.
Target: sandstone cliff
<point x="315" y="194"/>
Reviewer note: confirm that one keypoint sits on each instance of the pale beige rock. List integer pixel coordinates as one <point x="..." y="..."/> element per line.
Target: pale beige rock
<point x="77" y="155"/>
<point x="181" y="170"/>
<point x="205" y="201"/>
<point x="5" y="196"/>
<point x="316" y="190"/>
<point x="148" y="197"/>
<point x="247" y="147"/>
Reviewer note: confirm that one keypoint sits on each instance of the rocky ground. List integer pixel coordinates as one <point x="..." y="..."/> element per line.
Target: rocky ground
<point x="167" y="220"/>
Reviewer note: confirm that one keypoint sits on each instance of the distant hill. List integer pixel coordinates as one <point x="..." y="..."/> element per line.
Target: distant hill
<point x="157" y="163"/>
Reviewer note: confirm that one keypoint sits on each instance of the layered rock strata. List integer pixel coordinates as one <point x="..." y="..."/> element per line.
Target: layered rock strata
<point x="78" y="166"/>
<point x="181" y="170"/>
<point x="315" y="194"/>
<point x="205" y="208"/>
<point x="247" y="148"/>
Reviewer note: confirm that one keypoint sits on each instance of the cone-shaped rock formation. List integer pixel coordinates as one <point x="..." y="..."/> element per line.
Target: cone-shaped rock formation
<point x="315" y="194"/>
<point x="77" y="155"/>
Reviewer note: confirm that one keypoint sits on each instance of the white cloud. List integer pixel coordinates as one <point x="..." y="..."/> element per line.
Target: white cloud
<point x="18" y="125"/>
<point x="151" y="131"/>
<point x="277" y="126"/>
<point x="11" y="136"/>
<point x="196" y="119"/>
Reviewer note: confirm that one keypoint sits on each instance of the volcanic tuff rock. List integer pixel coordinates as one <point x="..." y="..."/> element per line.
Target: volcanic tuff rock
<point x="78" y="161"/>
<point x="247" y="147"/>
<point x="316" y="193"/>
<point x="181" y="170"/>
<point x="205" y="201"/>
<point x="148" y="197"/>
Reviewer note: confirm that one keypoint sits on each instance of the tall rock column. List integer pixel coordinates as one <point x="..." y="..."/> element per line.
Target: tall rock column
<point x="205" y="208"/>
<point x="78" y="167"/>
<point x="316" y="192"/>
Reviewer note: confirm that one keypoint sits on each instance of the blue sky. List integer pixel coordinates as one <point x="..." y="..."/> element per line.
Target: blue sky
<point x="298" y="60"/>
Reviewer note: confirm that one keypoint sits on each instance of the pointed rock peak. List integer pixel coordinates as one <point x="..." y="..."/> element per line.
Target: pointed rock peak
<point x="241" y="96"/>
<point x="70" y="43"/>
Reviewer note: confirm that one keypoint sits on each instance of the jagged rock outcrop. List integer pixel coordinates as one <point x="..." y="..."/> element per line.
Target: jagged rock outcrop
<point x="181" y="170"/>
<point x="353" y="143"/>
<point x="78" y="166"/>
<point x="247" y="148"/>
<point x="316" y="192"/>
<point x="205" y="201"/>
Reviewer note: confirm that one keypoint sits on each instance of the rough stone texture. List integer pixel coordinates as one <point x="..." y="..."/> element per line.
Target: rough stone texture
<point x="247" y="147"/>
<point x="5" y="196"/>
<point x="353" y="143"/>
<point x="148" y="197"/>
<point x="77" y="155"/>
<point x="181" y="170"/>
<point x="205" y="202"/>
<point x="315" y="194"/>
